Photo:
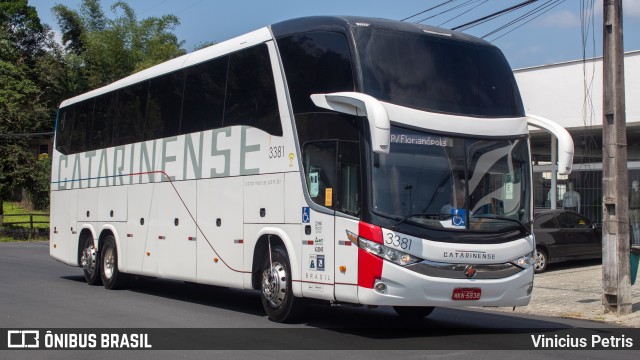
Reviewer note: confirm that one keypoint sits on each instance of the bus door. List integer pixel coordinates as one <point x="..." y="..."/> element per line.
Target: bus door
<point x="317" y="261"/>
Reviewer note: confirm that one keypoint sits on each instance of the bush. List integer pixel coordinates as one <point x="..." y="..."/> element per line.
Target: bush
<point x="40" y="183"/>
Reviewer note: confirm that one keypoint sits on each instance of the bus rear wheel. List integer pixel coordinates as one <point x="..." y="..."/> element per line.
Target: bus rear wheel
<point x="112" y="278"/>
<point x="413" y="312"/>
<point x="89" y="261"/>
<point x="277" y="296"/>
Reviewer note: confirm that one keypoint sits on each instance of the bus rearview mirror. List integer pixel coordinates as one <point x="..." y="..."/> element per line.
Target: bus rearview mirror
<point x="565" y="141"/>
<point x="359" y="104"/>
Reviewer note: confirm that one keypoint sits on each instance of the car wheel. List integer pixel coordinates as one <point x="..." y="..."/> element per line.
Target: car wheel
<point x="112" y="278"/>
<point x="277" y="296"/>
<point x="89" y="261"/>
<point x="542" y="260"/>
<point x="413" y="312"/>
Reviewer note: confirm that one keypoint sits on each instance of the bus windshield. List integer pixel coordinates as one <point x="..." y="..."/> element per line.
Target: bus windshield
<point x="437" y="74"/>
<point x="456" y="183"/>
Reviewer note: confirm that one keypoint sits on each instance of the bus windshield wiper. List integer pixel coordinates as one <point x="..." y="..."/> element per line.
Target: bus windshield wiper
<point x="438" y="215"/>
<point x="499" y="217"/>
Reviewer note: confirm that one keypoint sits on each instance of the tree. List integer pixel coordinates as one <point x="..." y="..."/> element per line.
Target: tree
<point x="26" y="102"/>
<point x="110" y="49"/>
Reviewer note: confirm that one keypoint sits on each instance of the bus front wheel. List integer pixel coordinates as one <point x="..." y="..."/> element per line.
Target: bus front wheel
<point x="277" y="296"/>
<point x="112" y="278"/>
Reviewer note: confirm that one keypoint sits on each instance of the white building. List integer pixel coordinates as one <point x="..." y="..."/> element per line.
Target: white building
<point x="570" y="93"/>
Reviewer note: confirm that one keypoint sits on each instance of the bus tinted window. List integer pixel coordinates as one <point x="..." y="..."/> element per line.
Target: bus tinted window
<point x="63" y="130"/>
<point x="315" y="63"/>
<point x="437" y="74"/>
<point x="204" y="96"/>
<point x="82" y="126"/>
<point x="132" y="102"/>
<point x="102" y="129"/>
<point x="164" y="107"/>
<point x="251" y="93"/>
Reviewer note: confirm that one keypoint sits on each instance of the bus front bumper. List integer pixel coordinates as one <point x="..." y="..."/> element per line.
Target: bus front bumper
<point x="399" y="286"/>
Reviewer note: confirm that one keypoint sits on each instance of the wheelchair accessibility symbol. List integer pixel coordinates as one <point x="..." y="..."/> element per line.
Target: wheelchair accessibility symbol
<point x="458" y="217"/>
<point x="306" y="215"/>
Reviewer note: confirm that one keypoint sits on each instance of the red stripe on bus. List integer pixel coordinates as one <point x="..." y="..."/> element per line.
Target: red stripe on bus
<point x="369" y="269"/>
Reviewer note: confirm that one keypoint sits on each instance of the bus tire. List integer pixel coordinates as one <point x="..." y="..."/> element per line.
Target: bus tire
<point x="112" y="278"/>
<point x="413" y="312"/>
<point x="276" y="292"/>
<point x="90" y="262"/>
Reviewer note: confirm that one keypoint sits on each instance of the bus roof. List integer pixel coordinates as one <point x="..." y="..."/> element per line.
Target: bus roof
<point x="340" y="24"/>
<point x="343" y="23"/>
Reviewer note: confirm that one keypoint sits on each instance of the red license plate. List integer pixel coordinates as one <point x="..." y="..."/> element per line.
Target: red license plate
<point x="466" y="294"/>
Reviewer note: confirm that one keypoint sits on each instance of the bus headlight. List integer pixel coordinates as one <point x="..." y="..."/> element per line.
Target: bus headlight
<point x="525" y="261"/>
<point x="385" y="252"/>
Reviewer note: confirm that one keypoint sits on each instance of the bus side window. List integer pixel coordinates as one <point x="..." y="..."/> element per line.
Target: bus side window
<point x="251" y="92"/>
<point x="63" y="132"/>
<point x="132" y="106"/>
<point x="320" y="171"/>
<point x="349" y="168"/>
<point x="102" y="129"/>
<point x="165" y="105"/>
<point x="79" y="139"/>
<point x="204" y="96"/>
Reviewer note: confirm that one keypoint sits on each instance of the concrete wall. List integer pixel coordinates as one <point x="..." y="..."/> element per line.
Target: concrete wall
<point x="557" y="91"/>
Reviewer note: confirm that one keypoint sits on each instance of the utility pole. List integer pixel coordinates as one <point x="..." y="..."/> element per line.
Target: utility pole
<point x="616" y="281"/>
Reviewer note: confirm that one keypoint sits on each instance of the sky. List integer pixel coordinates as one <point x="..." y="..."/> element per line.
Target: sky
<point x="554" y="36"/>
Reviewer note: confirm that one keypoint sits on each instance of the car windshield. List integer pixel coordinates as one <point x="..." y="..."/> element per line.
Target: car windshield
<point x="451" y="182"/>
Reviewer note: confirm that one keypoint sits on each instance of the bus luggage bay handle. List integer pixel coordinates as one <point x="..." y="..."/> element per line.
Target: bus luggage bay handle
<point x="565" y="141"/>
<point x="359" y="104"/>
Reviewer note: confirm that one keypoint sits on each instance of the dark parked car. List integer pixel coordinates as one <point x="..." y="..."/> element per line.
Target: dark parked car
<point x="564" y="235"/>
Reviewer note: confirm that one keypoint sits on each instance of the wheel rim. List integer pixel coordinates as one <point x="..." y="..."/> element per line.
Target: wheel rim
<point x="274" y="284"/>
<point x="88" y="259"/>
<point x="109" y="263"/>
<point x="540" y="260"/>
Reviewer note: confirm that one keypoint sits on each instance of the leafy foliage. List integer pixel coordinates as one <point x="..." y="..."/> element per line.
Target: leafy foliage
<point x="36" y="73"/>
<point x="110" y="49"/>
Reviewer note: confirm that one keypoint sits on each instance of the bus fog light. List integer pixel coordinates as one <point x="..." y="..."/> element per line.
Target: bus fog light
<point x="381" y="287"/>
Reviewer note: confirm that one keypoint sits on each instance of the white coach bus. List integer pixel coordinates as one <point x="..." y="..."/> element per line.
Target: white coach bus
<point x="353" y="160"/>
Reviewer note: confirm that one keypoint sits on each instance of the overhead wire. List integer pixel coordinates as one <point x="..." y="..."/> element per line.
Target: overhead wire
<point x="463" y="13"/>
<point x="489" y="17"/>
<point x="427" y="10"/>
<point x="446" y="11"/>
<point x="542" y="9"/>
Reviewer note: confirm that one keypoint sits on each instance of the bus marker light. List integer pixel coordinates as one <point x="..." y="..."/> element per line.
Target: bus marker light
<point x="239" y="241"/>
<point x="129" y="235"/>
<point x="55" y="246"/>
<point x="191" y="238"/>
<point x="215" y="260"/>
<point x="148" y="253"/>
<point x="160" y="237"/>
<point x="307" y="242"/>
<point x="343" y="269"/>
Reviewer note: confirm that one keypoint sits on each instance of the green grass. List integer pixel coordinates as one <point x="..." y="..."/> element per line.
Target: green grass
<point x="14" y="208"/>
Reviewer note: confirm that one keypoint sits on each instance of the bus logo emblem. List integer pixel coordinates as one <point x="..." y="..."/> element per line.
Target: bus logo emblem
<point x="469" y="271"/>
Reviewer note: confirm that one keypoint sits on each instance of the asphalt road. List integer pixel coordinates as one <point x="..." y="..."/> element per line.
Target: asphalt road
<point x="39" y="292"/>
